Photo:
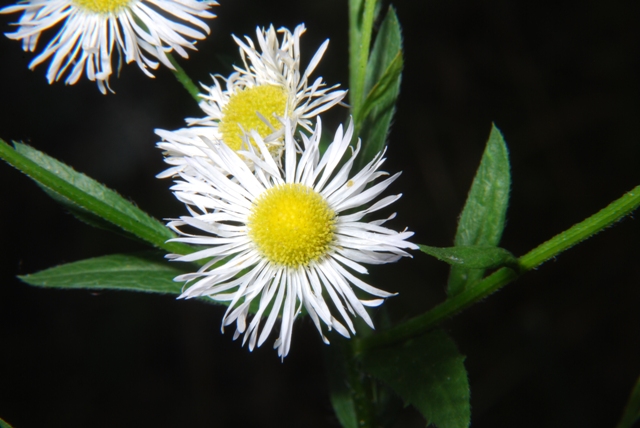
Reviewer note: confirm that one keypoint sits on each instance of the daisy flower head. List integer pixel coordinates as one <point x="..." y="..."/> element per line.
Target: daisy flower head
<point x="268" y="88"/>
<point x="285" y="238"/>
<point x="143" y="31"/>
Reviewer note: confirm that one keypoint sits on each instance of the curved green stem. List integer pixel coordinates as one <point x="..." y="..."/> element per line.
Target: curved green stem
<point x="183" y="78"/>
<point x="534" y="258"/>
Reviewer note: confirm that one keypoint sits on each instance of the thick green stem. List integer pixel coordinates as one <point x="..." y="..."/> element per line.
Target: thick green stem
<point x="183" y="78"/>
<point x="360" y="30"/>
<point x="561" y="242"/>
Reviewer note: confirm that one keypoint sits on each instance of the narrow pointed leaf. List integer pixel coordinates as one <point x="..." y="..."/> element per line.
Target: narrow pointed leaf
<point x="483" y="216"/>
<point x="382" y="86"/>
<point x="472" y="257"/>
<point x="388" y="82"/>
<point x="89" y="200"/>
<point x="147" y="272"/>
<point x="427" y="372"/>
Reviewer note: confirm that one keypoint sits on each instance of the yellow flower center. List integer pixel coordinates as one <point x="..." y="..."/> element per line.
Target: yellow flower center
<point x="102" y="6"/>
<point x="241" y="113"/>
<point x="292" y="225"/>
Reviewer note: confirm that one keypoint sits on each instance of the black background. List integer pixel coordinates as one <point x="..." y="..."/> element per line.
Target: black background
<point x="557" y="348"/>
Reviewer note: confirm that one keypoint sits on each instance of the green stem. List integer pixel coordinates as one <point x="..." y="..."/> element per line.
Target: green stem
<point x="581" y="231"/>
<point x="360" y="30"/>
<point x="183" y="78"/>
<point x="556" y="245"/>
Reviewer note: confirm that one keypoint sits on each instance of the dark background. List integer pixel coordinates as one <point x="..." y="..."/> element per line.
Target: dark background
<point x="558" y="348"/>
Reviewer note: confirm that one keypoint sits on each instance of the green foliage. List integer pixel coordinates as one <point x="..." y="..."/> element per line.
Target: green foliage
<point x="89" y="200"/>
<point x="382" y="86"/>
<point x="146" y="272"/>
<point x="632" y="410"/>
<point x="427" y="372"/>
<point x="362" y="14"/>
<point x="472" y="256"/>
<point x="483" y="216"/>
<point x="341" y="392"/>
<point x="4" y="424"/>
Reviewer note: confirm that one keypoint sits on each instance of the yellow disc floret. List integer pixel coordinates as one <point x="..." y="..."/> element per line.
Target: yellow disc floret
<point x="102" y="6"/>
<point x="292" y="225"/>
<point x="241" y="113"/>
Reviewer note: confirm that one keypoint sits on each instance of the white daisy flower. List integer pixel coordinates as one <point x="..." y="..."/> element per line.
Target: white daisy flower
<point x="143" y="30"/>
<point x="281" y="239"/>
<point x="256" y="97"/>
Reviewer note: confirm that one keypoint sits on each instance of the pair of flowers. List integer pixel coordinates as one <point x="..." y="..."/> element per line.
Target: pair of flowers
<point x="282" y="224"/>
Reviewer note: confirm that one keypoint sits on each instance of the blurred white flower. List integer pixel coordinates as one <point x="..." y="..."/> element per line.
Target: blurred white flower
<point x="143" y="31"/>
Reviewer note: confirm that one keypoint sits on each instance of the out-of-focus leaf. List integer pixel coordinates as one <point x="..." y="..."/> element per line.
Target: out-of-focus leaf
<point x="340" y="392"/>
<point x="427" y="372"/>
<point x="483" y="216"/>
<point x="4" y="424"/>
<point x="632" y="410"/>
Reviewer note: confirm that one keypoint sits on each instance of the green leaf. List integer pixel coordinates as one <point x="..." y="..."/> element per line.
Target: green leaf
<point x="147" y="272"/>
<point x="632" y="410"/>
<point x="86" y="198"/>
<point x="483" y="216"/>
<point x="382" y="86"/>
<point x="4" y="424"/>
<point x="427" y="372"/>
<point x="341" y="394"/>
<point x="389" y="81"/>
<point x="473" y="256"/>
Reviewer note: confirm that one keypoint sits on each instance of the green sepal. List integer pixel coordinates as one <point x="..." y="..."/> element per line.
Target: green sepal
<point x="472" y="256"/>
<point x="382" y="86"/>
<point x="427" y="372"/>
<point x="483" y="216"/>
<point x="89" y="200"/>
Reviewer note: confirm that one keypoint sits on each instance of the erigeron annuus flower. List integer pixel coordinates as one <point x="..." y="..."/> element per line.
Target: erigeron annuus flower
<point x="144" y="31"/>
<point x="286" y="238"/>
<point x="257" y="97"/>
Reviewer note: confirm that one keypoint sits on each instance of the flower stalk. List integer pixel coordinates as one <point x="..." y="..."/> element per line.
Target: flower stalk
<point x="184" y="79"/>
